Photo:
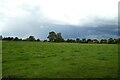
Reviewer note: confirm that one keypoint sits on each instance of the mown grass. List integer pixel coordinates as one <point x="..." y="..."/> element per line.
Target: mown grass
<point x="59" y="60"/>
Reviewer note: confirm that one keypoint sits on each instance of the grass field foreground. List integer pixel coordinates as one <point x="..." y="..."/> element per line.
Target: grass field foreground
<point x="59" y="60"/>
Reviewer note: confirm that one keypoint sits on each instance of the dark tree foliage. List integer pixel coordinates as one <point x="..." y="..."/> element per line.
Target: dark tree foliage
<point x="59" y="38"/>
<point x="20" y="39"/>
<point x="67" y="40"/>
<point x="118" y="41"/>
<point x="38" y="40"/>
<point x="45" y="41"/>
<point x="77" y="40"/>
<point x="103" y="41"/>
<point x="84" y="40"/>
<point x="70" y="40"/>
<point x="31" y="38"/>
<point x="110" y="41"/>
<point x="115" y="41"/>
<point x="89" y="41"/>
<point x="8" y="38"/>
<point x="16" y="39"/>
<point x="52" y="36"/>
<point x="95" y="41"/>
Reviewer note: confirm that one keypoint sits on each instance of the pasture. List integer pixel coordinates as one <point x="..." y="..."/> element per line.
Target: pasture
<point x="59" y="60"/>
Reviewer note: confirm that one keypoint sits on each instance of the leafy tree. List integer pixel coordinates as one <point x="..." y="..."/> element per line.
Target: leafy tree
<point x="115" y="41"/>
<point x="4" y="38"/>
<point x="45" y="41"/>
<point x="8" y="38"/>
<point x="95" y="41"/>
<point x="52" y="36"/>
<point x="38" y="40"/>
<point x="67" y="40"/>
<point x="89" y="41"/>
<point x="20" y="39"/>
<point x="59" y="38"/>
<point x="16" y="39"/>
<point x="31" y="38"/>
<point x="70" y="40"/>
<point x="84" y="40"/>
<point x="118" y="41"/>
<point x="77" y="40"/>
<point x="110" y="41"/>
<point x="103" y="41"/>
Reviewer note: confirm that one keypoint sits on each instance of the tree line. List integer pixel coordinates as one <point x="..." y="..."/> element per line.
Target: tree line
<point x="57" y="37"/>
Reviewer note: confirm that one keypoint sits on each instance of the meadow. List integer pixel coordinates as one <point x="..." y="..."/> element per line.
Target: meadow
<point x="59" y="60"/>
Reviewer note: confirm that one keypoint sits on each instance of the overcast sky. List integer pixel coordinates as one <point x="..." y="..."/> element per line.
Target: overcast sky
<point x="73" y="18"/>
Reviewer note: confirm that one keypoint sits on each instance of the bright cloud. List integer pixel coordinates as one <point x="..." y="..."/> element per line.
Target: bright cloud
<point x="79" y="11"/>
<point x="30" y="14"/>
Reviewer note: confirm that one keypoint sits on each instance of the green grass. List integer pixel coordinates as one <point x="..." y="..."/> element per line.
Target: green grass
<point x="59" y="60"/>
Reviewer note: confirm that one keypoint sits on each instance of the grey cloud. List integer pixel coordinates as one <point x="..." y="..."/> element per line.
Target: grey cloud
<point x="36" y="24"/>
<point x="68" y="31"/>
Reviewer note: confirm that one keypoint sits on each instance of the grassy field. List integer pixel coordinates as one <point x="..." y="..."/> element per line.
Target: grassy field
<point x="59" y="60"/>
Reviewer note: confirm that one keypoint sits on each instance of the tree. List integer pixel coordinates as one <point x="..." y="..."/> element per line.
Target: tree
<point x="10" y="38"/>
<point x="95" y="41"/>
<point x="16" y="39"/>
<point x="59" y="38"/>
<point x="45" y="41"/>
<point x="52" y="36"/>
<point x="115" y="41"/>
<point x="118" y="41"/>
<point x="110" y="41"/>
<point x="84" y="40"/>
<point x="103" y="41"/>
<point x="89" y="41"/>
<point x="38" y="40"/>
<point x="77" y="40"/>
<point x="31" y="38"/>
<point x="70" y="40"/>
<point x="20" y="39"/>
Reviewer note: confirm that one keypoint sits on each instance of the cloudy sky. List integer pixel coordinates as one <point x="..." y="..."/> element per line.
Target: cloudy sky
<point x="73" y="18"/>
